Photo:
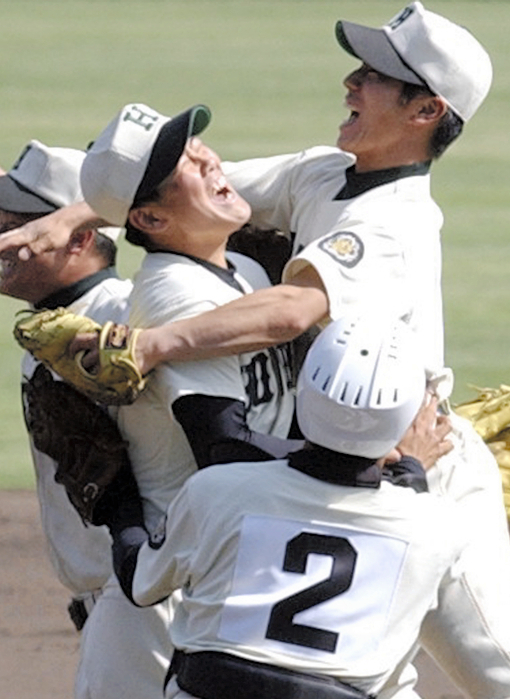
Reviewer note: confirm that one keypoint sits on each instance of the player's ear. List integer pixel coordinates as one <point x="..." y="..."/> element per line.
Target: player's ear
<point x="430" y="109"/>
<point x="81" y="239"/>
<point x="145" y="219"/>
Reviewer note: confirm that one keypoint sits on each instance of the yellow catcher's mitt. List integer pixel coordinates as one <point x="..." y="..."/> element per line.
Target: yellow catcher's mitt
<point x="47" y="336"/>
<point x="489" y="414"/>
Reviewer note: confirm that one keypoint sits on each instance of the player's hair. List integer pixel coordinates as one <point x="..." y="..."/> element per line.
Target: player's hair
<point x="137" y="237"/>
<point x="449" y="127"/>
<point x="105" y="248"/>
<point x="134" y="235"/>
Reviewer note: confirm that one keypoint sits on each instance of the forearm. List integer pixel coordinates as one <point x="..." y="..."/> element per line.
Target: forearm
<point x="262" y="319"/>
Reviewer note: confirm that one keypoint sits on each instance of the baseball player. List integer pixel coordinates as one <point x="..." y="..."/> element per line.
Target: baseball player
<point x="177" y="204"/>
<point x="82" y="277"/>
<point x="311" y="577"/>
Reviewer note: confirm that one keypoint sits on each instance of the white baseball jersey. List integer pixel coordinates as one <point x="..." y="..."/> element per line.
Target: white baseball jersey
<point x="380" y="248"/>
<point x="296" y="572"/>
<point x="79" y="554"/>
<point x="170" y="287"/>
<point x="374" y="239"/>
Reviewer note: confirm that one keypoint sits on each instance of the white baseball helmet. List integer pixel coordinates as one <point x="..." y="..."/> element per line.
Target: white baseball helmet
<point x="360" y="386"/>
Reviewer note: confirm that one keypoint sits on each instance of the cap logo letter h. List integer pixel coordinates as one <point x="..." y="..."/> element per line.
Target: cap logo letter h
<point x="143" y="119"/>
<point x="406" y="12"/>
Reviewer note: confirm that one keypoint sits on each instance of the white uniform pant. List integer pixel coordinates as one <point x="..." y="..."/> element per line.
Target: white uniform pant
<point x="125" y="650"/>
<point x="469" y="634"/>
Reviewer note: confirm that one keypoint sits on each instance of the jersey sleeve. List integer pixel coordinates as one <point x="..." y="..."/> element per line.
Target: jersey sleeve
<point x="359" y="272"/>
<point x="270" y="185"/>
<point x="164" y="560"/>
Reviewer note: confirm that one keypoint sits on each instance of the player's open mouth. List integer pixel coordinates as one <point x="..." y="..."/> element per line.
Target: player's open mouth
<point x="351" y="119"/>
<point x="221" y="190"/>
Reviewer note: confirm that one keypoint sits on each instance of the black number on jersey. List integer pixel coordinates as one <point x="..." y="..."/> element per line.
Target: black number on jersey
<point x="268" y="374"/>
<point x="281" y="626"/>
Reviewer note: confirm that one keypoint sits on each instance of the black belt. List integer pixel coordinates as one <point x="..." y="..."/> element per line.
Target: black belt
<point x="213" y="675"/>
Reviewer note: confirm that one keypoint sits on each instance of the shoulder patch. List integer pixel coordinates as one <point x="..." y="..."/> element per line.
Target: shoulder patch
<point x="346" y="248"/>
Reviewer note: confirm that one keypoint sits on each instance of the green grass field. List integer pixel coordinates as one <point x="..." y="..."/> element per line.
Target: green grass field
<point x="271" y="71"/>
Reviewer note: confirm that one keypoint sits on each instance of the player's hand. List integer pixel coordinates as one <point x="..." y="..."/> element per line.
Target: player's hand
<point x="426" y="438"/>
<point x="145" y="354"/>
<point x="88" y="343"/>
<point x="50" y="232"/>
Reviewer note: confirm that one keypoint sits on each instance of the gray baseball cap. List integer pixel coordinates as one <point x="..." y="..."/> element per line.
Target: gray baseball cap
<point x="136" y="151"/>
<point x="42" y="179"/>
<point x="423" y="48"/>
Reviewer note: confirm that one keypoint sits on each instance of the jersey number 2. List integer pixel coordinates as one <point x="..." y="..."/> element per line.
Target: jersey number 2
<point x="281" y="625"/>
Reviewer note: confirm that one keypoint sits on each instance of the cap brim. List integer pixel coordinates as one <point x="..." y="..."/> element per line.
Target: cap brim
<point x="169" y="146"/>
<point x="373" y="47"/>
<point x="18" y="199"/>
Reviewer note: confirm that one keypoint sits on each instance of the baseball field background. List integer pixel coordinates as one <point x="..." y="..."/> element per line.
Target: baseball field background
<point x="271" y="71"/>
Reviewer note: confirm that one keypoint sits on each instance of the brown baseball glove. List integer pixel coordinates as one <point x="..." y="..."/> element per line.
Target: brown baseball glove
<point x="80" y="436"/>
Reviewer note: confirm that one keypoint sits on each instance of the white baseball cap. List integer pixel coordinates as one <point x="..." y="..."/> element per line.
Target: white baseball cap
<point x="133" y="154"/>
<point x="42" y="179"/>
<point x="423" y="48"/>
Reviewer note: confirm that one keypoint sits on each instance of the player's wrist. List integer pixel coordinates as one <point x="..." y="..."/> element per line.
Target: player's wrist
<point x="154" y="346"/>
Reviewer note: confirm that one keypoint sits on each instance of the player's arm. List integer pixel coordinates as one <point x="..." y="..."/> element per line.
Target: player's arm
<point x="217" y="431"/>
<point x="49" y="232"/>
<point x="264" y="318"/>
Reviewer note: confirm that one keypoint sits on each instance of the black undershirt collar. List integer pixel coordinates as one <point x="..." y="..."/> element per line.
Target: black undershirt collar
<point x="225" y="274"/>
<point x="360" y="182"/>
<point x="64" y="297"/>
<point x="339" y="469"/>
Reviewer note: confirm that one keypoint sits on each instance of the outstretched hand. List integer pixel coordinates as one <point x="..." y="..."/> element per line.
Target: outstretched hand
<point x="426" y="438"/>
<point x="50" y="232"/>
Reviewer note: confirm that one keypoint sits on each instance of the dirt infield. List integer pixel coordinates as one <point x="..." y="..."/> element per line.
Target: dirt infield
<point x="38" y="645"/>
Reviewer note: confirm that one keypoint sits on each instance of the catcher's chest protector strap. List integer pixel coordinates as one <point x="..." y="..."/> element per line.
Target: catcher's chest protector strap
<point x="212" y="675"/>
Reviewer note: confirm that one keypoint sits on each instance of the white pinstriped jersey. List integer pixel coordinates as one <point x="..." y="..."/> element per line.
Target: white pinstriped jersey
<point x="379" y="249"/>
<point x="80" y="555"/>
<point x="300" y="573"/>
<point x="170" y="287"/>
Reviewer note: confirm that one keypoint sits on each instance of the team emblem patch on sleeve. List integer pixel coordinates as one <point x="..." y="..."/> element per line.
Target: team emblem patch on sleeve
<point x="346" y="248"/>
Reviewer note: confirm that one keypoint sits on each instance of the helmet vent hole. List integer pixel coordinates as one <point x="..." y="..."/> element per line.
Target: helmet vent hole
<point x="379" y="397"/>
<point x="315" y="373"/>
<point x="326" y="383"/>
<point x="344" y="392"/>
<point x="364" y="353"/>
<point x="358" y="395"/>
<point x="395" y="396"/>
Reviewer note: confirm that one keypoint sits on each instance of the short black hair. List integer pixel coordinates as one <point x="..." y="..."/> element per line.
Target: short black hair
<point x="134" y="235"/>
<point x="105" y="248"/>
<point x="449" y="127"/>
